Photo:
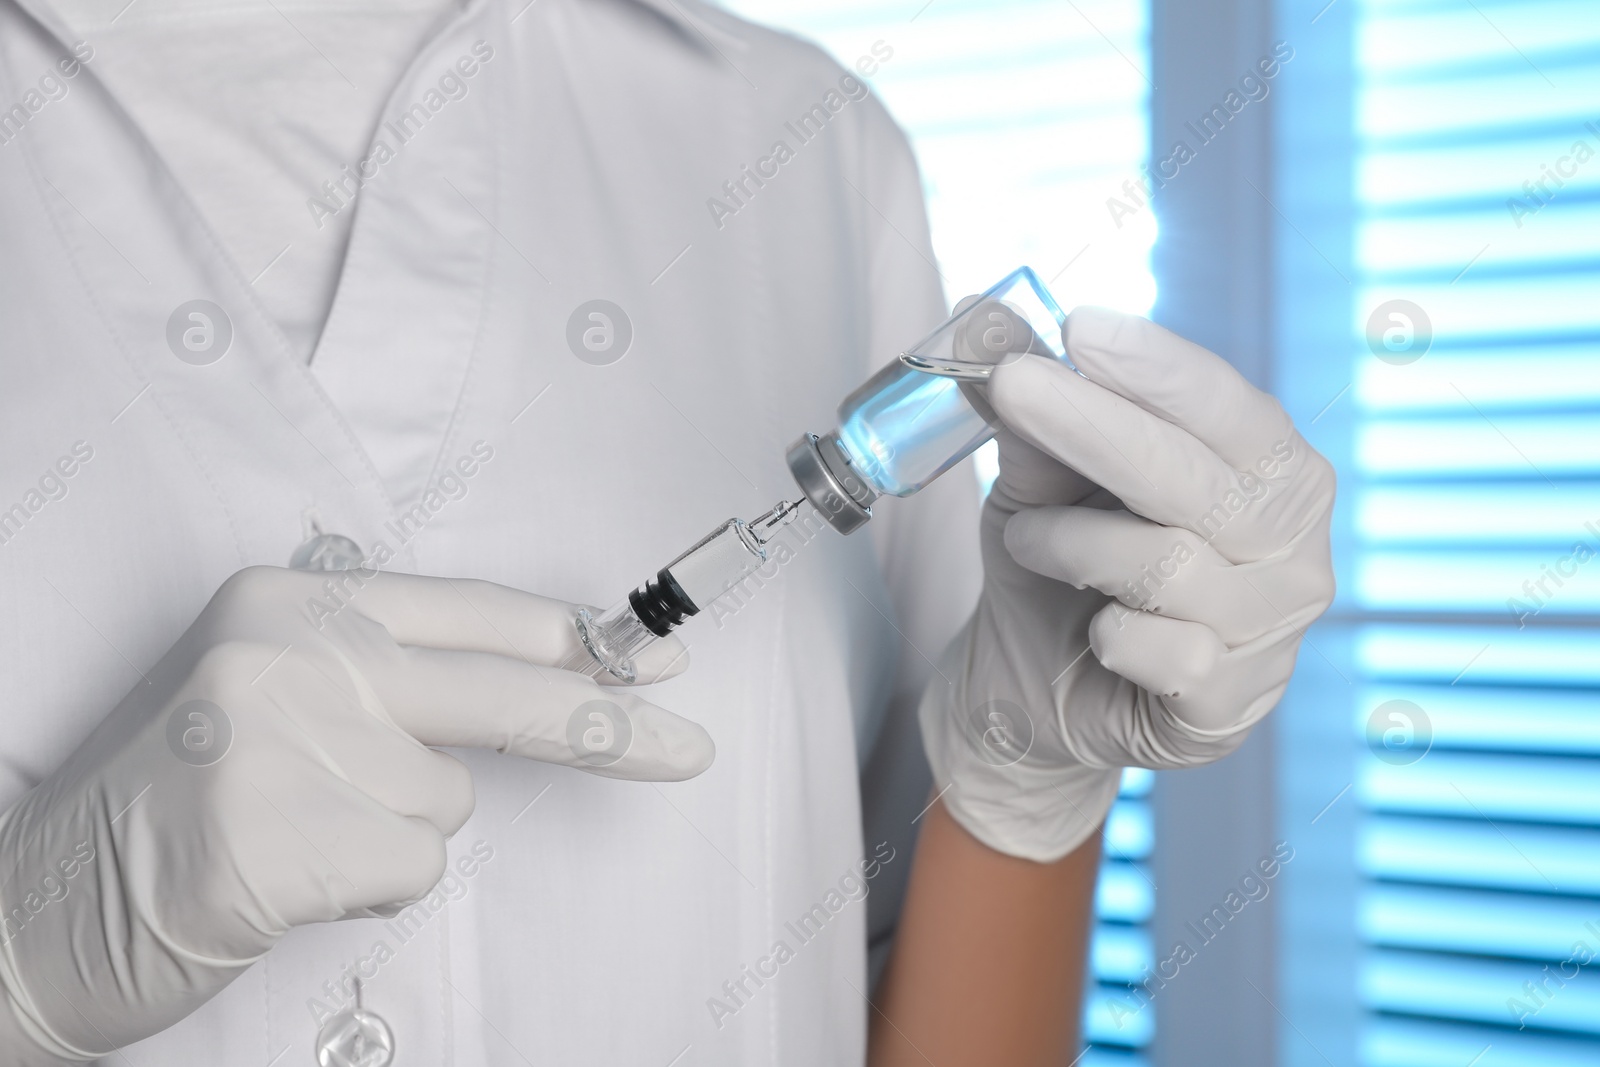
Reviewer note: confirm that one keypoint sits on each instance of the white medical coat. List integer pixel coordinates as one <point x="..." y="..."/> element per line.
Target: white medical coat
<point x="582" y="163"/>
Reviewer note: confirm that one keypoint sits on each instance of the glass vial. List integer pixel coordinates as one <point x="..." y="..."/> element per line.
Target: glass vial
<point x="925" y="412"/>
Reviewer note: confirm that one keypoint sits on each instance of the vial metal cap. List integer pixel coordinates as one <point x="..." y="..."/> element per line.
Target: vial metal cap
<point x="824" y="474"/>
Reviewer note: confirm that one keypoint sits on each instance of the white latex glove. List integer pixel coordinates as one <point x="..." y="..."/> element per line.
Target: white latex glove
<point x="180" y="841"/>
<point x="1154" y="548"/>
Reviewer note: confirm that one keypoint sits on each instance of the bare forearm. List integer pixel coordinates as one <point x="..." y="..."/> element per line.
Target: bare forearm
<point x="989" y="959"/>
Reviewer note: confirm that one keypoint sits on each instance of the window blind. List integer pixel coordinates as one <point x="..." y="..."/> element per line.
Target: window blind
<point x="1467" y="632"/>
<point x="1060" y="93"/>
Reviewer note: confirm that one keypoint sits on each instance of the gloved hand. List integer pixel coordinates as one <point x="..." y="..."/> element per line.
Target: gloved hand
<point x="1154" y="548"/>
<point x="274" y="770"/>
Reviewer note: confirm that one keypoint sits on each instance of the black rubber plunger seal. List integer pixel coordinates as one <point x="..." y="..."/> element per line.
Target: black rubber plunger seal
<point x="661" y="604"/>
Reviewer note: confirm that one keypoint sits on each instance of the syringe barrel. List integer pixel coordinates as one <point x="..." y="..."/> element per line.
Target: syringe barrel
<point x="718" y="562"/>
<point x="685" y="587"/>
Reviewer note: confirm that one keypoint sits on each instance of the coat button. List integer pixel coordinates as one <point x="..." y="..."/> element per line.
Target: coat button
<point x="327" y="552"/>
<point x="355" y="1037"/>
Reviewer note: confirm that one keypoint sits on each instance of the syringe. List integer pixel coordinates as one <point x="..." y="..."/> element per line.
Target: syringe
<point x="718" y="561"/>
<point x="902" y="428"/>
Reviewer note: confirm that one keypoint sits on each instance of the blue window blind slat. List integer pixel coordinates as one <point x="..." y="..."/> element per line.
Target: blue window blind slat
<point x="1490" y="582"/>
<point x="1468" y="382"/>
<point x="1399" y="1042"/>
<point x="1510" y="513"/>
<point x="1519" y="97"/>
<point x="1106" y="1057"/>
<point x="1504" y="719"/>
<point x="1553" y="303"/>
<point x="1418" y="177"/>
<point x="1474" y="853"/>
<point x="1477" y="990"/>
<point x="1107" y="1021"/>
<point x="1476" y="922"/>
<point x="1444" y="243"/>
<point x="1130" y="830"/>
<point x="1137" y="782"/>
<point x="1415" y="40"/>
<point x="1498" y="787"/>
<point x="1532" y="446"/>
<point x="1120" y="953"/>
<point x="1125" y="893"/>
<point x="1481" y="655"/>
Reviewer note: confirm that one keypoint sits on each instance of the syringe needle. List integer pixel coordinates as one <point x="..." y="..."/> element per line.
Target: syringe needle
<point x="766" y="526"/>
